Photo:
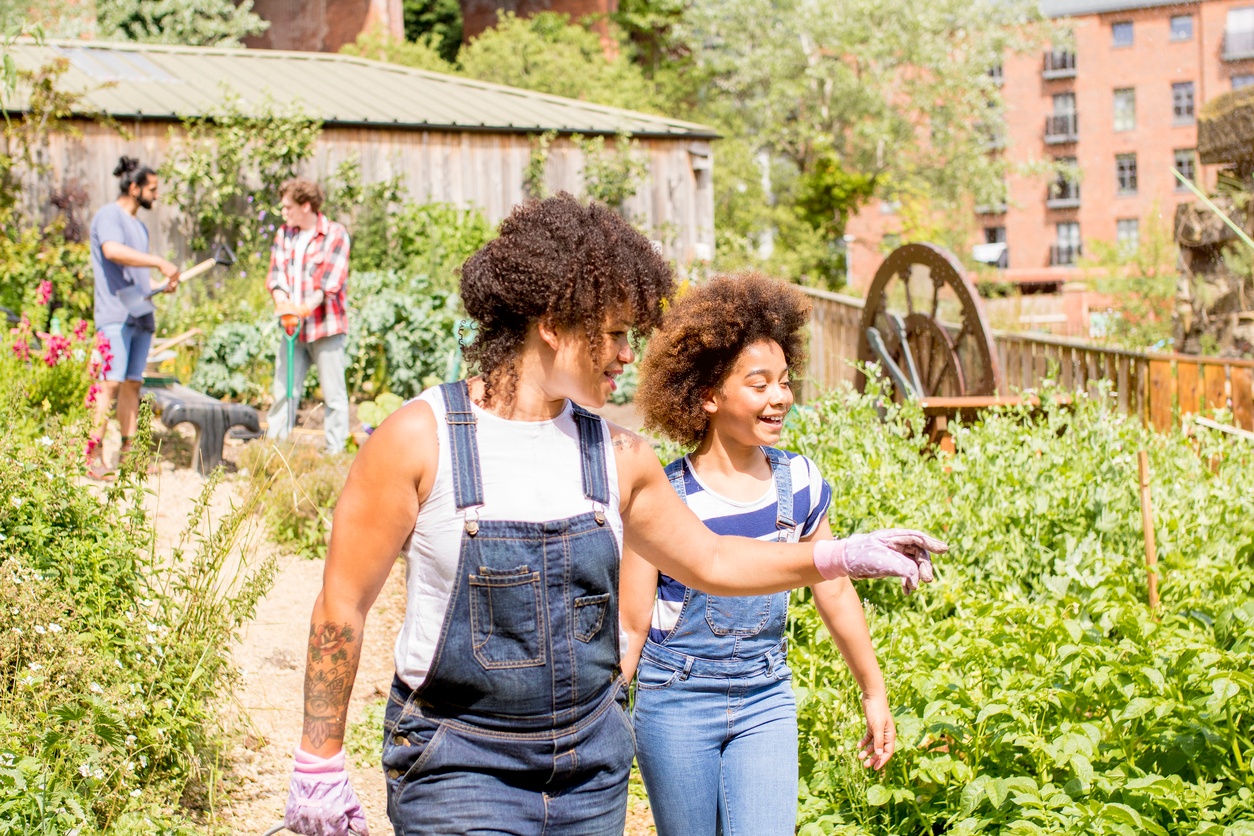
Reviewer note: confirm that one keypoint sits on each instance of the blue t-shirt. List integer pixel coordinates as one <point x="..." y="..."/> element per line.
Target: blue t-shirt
<point x="113" y="223"/>
<point x="811" y="496"/>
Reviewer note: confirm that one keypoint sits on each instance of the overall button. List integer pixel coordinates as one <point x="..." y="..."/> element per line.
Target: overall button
<point x="400" y="740"/>
<point x="394" y="774"/>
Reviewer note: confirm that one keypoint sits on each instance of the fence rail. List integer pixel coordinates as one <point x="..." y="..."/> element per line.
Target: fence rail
<point x="1159" y="388"/>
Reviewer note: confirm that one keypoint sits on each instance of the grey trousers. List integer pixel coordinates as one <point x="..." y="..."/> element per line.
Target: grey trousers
<point x="328" y="355"/>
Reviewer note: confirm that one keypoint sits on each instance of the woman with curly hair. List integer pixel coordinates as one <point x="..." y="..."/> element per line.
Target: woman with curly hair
<point x="715" y="719"/>
<point x="511" y="505"/>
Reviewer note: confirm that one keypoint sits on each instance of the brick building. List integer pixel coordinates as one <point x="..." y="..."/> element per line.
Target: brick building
<point x="1119" y="104"/>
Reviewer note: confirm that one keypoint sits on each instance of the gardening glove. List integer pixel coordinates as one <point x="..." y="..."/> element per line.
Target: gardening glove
<point x="320" y="801"/>
<point x="894" y="553"/>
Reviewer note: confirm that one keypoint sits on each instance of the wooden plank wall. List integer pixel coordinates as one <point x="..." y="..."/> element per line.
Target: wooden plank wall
<point x="1160" y="388"/>
<point x="675" y="204"/>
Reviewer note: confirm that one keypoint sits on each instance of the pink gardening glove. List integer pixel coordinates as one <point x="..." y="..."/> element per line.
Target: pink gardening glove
<point x="320" y="801"/>
<point x="895" y="553"/>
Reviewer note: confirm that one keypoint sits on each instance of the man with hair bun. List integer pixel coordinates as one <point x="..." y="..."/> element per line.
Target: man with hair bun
<point x="120" y="261"/>
<point x="309" y="277"/>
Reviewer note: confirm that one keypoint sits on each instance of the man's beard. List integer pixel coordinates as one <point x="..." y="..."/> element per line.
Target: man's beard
<point x="144" y="202"/>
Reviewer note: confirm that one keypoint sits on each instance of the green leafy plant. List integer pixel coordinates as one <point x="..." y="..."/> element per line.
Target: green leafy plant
<point x="116" y="653"/>
<point x="1034" y="690"/>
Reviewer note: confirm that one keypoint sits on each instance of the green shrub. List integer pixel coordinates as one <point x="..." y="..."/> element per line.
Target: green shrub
<point x="46" y="379"/>
<point x="1034" y="691"/>
<point x="115" y="657"/>
<point x="298" y="487"/>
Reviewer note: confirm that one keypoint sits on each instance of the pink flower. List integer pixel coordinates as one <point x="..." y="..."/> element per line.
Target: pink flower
<point x="93" y="444"/>
<point x="44" y="295"/>
<point x="101" y="357"/>
<point x="80" y="331"/>
<point x="56" y="348"/>
<point x="92" y="392"/>
<point x="21" y="349"/>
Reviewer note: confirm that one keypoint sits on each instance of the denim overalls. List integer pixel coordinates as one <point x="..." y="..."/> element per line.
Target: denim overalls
<point x="715" y="718"/>
<point x="518" y="727"/>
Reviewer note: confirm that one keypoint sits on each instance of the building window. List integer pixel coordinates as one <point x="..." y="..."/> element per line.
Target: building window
<point x="1242" y="80"/>
<point x="1239" y="35"/>
<point x="1181" y="27"/>
<point x="994" y="235"/>
<point x="1182" y="102"/>
<point x="1067" y="247"/>
<point x="1064" y="192"/>
<point x="1125" y="109"/>
<point x="1121" y="33"/>
<point x="1127" y="235"/>
<point x="1185" y="162"/>
<point x="1125" y="173"/>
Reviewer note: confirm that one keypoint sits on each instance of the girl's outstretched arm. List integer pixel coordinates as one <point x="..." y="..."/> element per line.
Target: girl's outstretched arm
<point x="637" y="585"/>
<point x="841" y="610"/>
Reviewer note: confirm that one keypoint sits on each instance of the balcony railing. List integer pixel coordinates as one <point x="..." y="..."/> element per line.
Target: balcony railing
<point x="990" y="209"/>
<point x="1064" y="194"/>
<point x="1238" y="46"/>
<point x="1061" y="129"/>
<point x="1063" y="255"/>
<point x="1059" y="65"/>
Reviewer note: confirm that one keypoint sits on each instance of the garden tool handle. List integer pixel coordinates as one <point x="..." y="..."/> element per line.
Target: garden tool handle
<point x="189" y="273"/>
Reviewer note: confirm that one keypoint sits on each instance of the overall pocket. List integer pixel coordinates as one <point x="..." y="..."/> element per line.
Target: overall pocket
<point x="409" y="738"/>
<point x="737" y="616"/>
<point x="506" y="618"/>
<point x="589" y="615"/>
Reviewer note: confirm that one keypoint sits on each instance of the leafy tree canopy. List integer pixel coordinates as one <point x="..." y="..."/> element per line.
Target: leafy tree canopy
<point x="189" y="22"/>
<point x="436" y="23"/>
<point x="549" y="54"/>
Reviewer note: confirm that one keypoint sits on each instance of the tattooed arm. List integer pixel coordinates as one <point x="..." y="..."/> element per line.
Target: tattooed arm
<point x="375" y="514"/>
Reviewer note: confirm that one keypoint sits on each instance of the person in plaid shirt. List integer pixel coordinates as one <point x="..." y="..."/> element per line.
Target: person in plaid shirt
<point x="309" y="276"/>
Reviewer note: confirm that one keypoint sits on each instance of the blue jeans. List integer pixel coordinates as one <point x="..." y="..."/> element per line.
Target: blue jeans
<point x="129" y="346"/>
<point x="717" y="748"/>
<point x="446" y="777"/>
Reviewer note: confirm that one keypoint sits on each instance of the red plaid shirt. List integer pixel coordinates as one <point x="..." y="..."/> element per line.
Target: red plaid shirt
<point x="325" y="269"/>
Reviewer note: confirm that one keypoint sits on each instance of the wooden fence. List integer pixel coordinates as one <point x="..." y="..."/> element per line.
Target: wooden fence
<point x="1160" y="388"/>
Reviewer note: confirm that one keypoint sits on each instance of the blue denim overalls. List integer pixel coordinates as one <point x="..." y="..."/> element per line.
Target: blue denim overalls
<point x="715" y="716"/>
<point x="518" y="727"/>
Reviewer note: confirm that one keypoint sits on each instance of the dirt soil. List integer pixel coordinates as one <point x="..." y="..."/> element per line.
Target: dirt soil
<point x="267" y="708"/>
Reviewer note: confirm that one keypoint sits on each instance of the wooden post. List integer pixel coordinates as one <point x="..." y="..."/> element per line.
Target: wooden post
<point x="1147" y="522"/>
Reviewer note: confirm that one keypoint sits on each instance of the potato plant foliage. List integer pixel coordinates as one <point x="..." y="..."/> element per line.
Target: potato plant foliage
<point x="1033" y="689"/>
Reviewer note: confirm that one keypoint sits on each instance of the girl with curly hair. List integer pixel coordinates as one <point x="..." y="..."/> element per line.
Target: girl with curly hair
<point x="511" y="505"/>
<point x="715" y="719"/>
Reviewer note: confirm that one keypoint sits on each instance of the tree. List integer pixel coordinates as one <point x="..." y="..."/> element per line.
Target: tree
<point x="863" y="97"/>
<point x="436" y="23"/>
<point x="377" y="46"/>
<point x="187" y="22"/>
<point x="549" y="54"/>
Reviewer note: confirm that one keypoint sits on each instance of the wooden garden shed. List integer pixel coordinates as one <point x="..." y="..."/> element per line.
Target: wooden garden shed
<point x="451" y="139"/>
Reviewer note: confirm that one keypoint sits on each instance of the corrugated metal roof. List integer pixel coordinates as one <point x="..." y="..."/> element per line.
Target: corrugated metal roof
<point x="1077" y="8"/>
<point x="148" y="81"/>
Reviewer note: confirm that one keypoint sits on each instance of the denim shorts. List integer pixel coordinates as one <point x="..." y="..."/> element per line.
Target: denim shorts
<point x="129" y="346"/>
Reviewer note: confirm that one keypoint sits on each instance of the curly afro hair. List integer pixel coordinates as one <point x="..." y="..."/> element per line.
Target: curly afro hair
<point x="702" y="335"/>
<point x="561" y="260"/>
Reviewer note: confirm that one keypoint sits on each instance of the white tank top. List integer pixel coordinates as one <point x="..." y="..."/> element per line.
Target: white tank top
<point x="531" y="473"/>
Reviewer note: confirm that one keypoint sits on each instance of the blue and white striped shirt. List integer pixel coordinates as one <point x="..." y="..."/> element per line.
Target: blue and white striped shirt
<point x="811" y="498"/>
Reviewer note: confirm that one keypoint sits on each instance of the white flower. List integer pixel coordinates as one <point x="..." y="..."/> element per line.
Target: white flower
<point x="28" y="680"/>
<point x="45" y="441"/>
<point x="39" y="628"/>
<point x="56" y="628"/>
<point x="17" y="631"/>
<point x="35" y="666"/>
<point x="136" y="793"/>
<point x="152" y="628"/>
<point x="130" y="740"/>
<point x="98" y="774"/>
<point x="84" y="770"/>
<point x="17" y="501"/>
<point x="96" y="689"/>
